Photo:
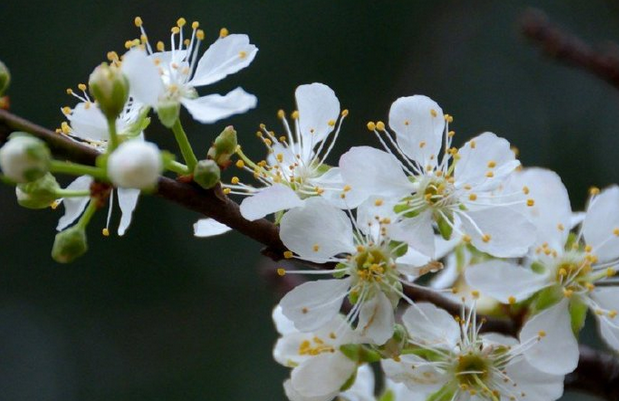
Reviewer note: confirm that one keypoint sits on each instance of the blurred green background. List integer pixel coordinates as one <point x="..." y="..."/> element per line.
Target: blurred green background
<point x="161" y="315"/>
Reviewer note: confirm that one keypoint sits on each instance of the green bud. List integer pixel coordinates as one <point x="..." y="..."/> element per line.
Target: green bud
<point x="206" y="174"/>
<point x="168" y="113"/>
<point x="38" y="194"/>
<point x="110" y="88"/>
<point x="5" y="78"/>
<point x="24" y="158"/>
<point x="224" y="146"/>
<point x="69" y="245"/>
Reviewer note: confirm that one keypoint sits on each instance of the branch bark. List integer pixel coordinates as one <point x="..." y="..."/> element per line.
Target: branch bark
<point x="597" y="373"/>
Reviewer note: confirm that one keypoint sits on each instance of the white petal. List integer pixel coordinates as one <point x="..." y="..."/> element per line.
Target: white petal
<point x="317" y="106"/>
<point x="211" y="108"/>
<point x="510" y="233"/>
<point x="422" y="379"/>
<point x="503" y="280"/>
<point x="323" y="374"/>
<point x="375" y="172"/>
<point x="601" y="221"/>
<point x="224" y="57"/>
<point x="88" y="122"/>
<point x="608" y="299"/>
<point x="402" y="393"/>
<point x="376" y="319"/>
<point x="74" y="206"/>
<point x="557" y="351"/>
<point x="145" y="84"/>
<point x="317" y="231"/>
<point x="209" y="228"/>
<point x="551" y="213"/>
<point x="315" y="303"/>
<point x="419" y="125"/>
<point x="475" y="157"/>
<point x="127" y="200"/>
<point x="413" y="263"/>
<point x="293" y="395"/>
<point x="286" y="350"/>
<point x="282" y="323"/>
<point x="417" y="232"/>
<point x="363" y="388"/>
<point x="535" y="384"/>
<point x="333" y="185"/>
<point x="431" y="325"/>
<point x="373" y="209"/>
<point x="269" y="200"/>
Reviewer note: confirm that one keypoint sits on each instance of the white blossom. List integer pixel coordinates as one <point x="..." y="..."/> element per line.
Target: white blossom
<point x="135" y="164"/>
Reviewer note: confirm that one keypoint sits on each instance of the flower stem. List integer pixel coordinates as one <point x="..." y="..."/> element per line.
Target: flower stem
<point x="178" y="168"/>
<point x="58" y="166"/>
<point x="113" y="144"/>
<point x="88" y="213"/>
<point x="184" y="145"/>
<point x="72" y="193"/>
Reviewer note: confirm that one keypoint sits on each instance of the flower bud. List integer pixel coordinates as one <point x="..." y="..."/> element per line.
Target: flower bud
<point x="224" y="146"/>
<point x="24" y="158"/>
<point x="110" y="88"/>
<point x="38" y="194"/>
<point x="135" y="164"/>
<point x="5" y="78"/>
<point x="206" y="174"/>
<point x="69" y="245"/>
<point x="168" y="113"/>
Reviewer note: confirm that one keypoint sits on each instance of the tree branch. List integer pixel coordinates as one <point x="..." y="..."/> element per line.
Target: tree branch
<point x="597" y="373"/>
<point x="569" y="49"/>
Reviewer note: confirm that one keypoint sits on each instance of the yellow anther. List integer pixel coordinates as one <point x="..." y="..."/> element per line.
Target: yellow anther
<point x="226" y="191"/>
<point x="316" y="248"/>
<point x="281" y="272"/>
<point x="175" y="30"/>
<point x="195" y="25"/>
<point x="128" y="44"/>
<point x="143" y="38"/>
<point x="511" y="300"/>
<point x="491" y="164"/>
<point x="112" y="56"/>
<point x="235" y="180"/>
<point x="616" y="232"/>
<point x="105" y="232"/>
<point x="612" y="314"/>
<point x="475" y="294"/>
<point x="515" y="150"/>
<point x="489" y="174"/>
<point x="200" y="34"/>
<point x="451" y="134"/>
<point x="283" y="139"/>
<point x="466" y="238"/>
<point x="66" y="129"/>
<point x="288" y="255"/>
<point x="610" y="272"/>
<point x="54" y="204"/>
<point x="486" y="238"/>
<point x="590" y="286"/>
<point x="181" y="22"/>
<point x="568" y="293"/>
<point x="526" y="190"/>
<point x="541" y="333"/>
<point x="242" y="54"/>
<point x="81" y="87"/>
<point x="380" y="125"/>
<point x="344" y="112"/>
<point x="473" y="144"/>
<point x="588" y="248"/>
<point x="346" y="188"/>
<point x="371" y="126"/>
<point x="594" y="191"/>
<point x="66" y="110"/>
<point x="223" y="32"/>
<point x="360" y="248"/>
<point x="281" y="114"/>
<point x="331" y="123"/>
<point x="433" y="113"/>
<point x="449" y="118"/>
<point x="137" y="21"/>
<point x="562" y="272"/>
<point x="280" y="157"/>
<point x="472" y="197"/>
<point x="560" y="227"/>
<point x="160" y="46"/>
<point x="530" y="202"/>
<point x="240" y="163"/>
<point x="295" y="115"/>
<point x="378" y="202"/>
<point x="69" y="91"/>
<point x="422" y="144"/>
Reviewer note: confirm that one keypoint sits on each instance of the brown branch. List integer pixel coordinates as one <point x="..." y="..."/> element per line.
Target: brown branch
<point x="597" y="373"/>
<point x="567" y="48"/>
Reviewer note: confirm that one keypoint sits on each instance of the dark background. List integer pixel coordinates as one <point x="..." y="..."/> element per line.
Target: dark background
<point x="161" y="315"/>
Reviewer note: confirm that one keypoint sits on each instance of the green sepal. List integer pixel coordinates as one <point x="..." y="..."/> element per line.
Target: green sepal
<point x="69" y="244"/>
<point x="38" y="194"/>
<point x="5" y="78"/>
<point x="538" y="267"/>
<point x="578" y="314"/>
<point x="572" y="239"/>
<point x="400" y="248"/>
<point x="322" y="168"/>
<point x="207" y="173"/>
<point x="445" y="226"/>
<point x="446" y="393"/>
<point x="341" y="273"/>
<point x="401" y="207"/>
<point x="168" y="113"/>
<point x="548" y="297"/>
<point x="387" y="396"/>
<point x="359" y="353"/>
<point x="349" y="382"/>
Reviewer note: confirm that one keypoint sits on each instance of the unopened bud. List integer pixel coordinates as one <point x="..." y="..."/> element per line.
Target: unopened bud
<point x="38" y="194"/>
<point x="5" y="78"/>
<point x="168" y="112"/>
<point x="207" y="174"/>
<point x="24" y="158"/>
<point x="135" y="164"/>
<point x="110" y="88"/>
<point x="69" y="245"/>
<point x="223" y="147"/>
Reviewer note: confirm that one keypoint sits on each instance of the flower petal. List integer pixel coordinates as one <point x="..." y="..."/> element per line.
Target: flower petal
<point x="499" y="231"/>
<point x="127" y="200"/>
<point x="557" y="350"/>
<point x="333" y="185"/>
<point x="535" y="384"/>
<point x="318" y="109"/>
<point x="145" y="84"/>
<point x="419" y="125"/>
<point x="417" y="232"/>
<point x="600" y="223"/>
<point x="211" y="108"/>
<point x="269" y="200"/>
<point x="209" y="228"/>
<point x="74" y="206"/>
<point x="374" y="172"/>
<point x="430" y="325"/>
<point x="323" y="374"/>
<point x="317" y="231"/>
<point x="224" y="57"/>
<point x="315" y="303"/>
<point x="363" y="388"/>
<point x="504" y="281"/>
<point x="416" y="373"/>
<point x="376" y="319"/>
<point x="88" y="122"/>
<point x="293" y="395"/>
<point x="608" y="300"/>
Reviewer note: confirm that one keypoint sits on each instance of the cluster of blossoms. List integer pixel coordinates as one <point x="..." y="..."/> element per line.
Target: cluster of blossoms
<point x="417" y="213"/>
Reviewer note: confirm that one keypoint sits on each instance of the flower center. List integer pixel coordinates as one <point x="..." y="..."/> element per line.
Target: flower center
<point x="573" y="273"/>
<point x="371" y="265"/>
<point x="315" y="347"/>
<point x="472" y="371"/>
